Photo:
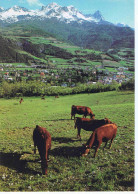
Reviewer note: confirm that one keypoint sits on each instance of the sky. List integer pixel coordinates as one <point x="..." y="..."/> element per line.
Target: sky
<point x="115" y="11"/>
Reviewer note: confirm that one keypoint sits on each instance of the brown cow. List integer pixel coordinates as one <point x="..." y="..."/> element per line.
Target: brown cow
<point x="81" y="110"/>
<point x="21" y="100"/>
<point x="101" y="134"/>
<point x="42" y="139"/>
<point x="89" y="124"/>
<point x="42" y="97"/>
<point x="56" y="96"/>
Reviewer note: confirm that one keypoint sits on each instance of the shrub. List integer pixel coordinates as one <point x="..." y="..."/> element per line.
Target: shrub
<point x="37" y="88"/>
<point x="129" y="85"/>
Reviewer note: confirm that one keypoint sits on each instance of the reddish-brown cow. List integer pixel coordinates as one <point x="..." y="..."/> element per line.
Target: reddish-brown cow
<point x="21" y="100"/>
<point x="101" y="134"/>
<point x="81" y="110"/>
<point x="42" y="139"/>
<point x="89" y="124"/>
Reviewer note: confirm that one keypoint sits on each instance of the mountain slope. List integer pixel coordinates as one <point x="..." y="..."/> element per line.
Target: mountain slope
<point x="67" y="24"/>
<point x="86" y="35"/>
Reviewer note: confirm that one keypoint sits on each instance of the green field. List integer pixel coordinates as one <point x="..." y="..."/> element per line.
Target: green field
<point x="111" y="170"/>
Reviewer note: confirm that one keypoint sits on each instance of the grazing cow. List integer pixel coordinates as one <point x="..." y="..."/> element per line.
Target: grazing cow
<point x="81" y="110"/>
<point x="56" y="96"/>
<point x="21" y="100"/>
<point x="101" y="134"/>
<point x="89" y="124"/>
<point x="42" y="97"/>
<point x="42" y="139"/>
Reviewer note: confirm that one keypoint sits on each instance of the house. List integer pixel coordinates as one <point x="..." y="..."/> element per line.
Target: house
<point x="64" y="85"/>
<point x="42" y="74"/>
<point x="10" y="78"/>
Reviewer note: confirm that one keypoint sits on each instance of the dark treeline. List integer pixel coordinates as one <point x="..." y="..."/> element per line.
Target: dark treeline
<point x="37" y="88"/>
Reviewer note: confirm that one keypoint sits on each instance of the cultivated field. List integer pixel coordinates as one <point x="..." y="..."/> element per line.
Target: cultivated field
<point x="111" y="170"/>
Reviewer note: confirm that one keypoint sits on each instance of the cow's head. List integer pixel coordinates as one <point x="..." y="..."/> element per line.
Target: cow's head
<point x="107" y="121"/>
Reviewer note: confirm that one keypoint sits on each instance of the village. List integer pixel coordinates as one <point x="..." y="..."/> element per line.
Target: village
<point x="64" y="76"/>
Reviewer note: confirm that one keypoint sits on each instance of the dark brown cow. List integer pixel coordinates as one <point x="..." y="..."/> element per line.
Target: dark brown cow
<point x="42" y="97"/>
<point x="101" y="134"/>
<point x="89" y="124"/>
<point x="81" y="110"/>
<point x="42" y="139"/>
<point x="21" y="100"/>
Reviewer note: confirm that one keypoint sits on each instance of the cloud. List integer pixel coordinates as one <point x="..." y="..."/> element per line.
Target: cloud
<point x="34" y="2"/>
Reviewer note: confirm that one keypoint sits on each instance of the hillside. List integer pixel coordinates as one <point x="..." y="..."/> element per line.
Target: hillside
<point x="16" y="38"/>
<point x="111" y="170"/>
<point x="87" y="35"/>
<point x="70" y="25"/>
<point x="21" y="43"/>
<point x="26" y="44"/>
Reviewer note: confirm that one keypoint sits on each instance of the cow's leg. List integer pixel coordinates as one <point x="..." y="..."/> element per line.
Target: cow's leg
<point x="84" y="115"/>
<point x="96" y="148"/>
<point x="78" y="135"/>
<point x="71" y="116"/>
<point x="34" y="149"/>
<point x="48" y="148"/>
<point x="105" y="145"/>
<point x="44" y="166"/>
<point x="44" y="162"/>
<point x="111" y="143"/>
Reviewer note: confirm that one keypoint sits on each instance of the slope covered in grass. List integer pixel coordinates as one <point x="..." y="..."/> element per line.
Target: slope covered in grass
<point x="111" y="170"/>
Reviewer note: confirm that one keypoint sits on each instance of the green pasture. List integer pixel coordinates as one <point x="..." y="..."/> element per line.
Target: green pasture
<point x="125" y="63"/>
<point x="111" y="63"/>
<point x="39" y="40"/>
<point x="110" y="69"/>
<point x="111" y="170"/>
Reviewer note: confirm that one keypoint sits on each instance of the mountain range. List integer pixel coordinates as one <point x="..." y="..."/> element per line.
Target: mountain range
<point x="66" y="24"/>
<point x="67" y="14"/>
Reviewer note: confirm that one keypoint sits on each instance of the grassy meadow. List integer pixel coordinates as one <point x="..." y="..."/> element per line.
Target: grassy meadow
<point x="111" y="170"/>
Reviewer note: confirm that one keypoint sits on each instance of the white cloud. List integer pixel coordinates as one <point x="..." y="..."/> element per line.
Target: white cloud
<point x="34" y="2"/>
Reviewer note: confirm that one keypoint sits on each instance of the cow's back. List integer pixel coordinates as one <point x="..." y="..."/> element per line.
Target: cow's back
<point x="40" y="135"/>
<point x="108" y="131"/>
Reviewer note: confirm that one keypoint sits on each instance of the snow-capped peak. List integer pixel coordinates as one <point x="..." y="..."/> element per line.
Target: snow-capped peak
<point x="1" y="9"/>
<point x="17" y="9"/>
<point x="53" y="10"/>
<point x="50" y="7"/>
<point x="122" y="25"/>
<point x="11" y="15"/>
<point x="98" y="15"/>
